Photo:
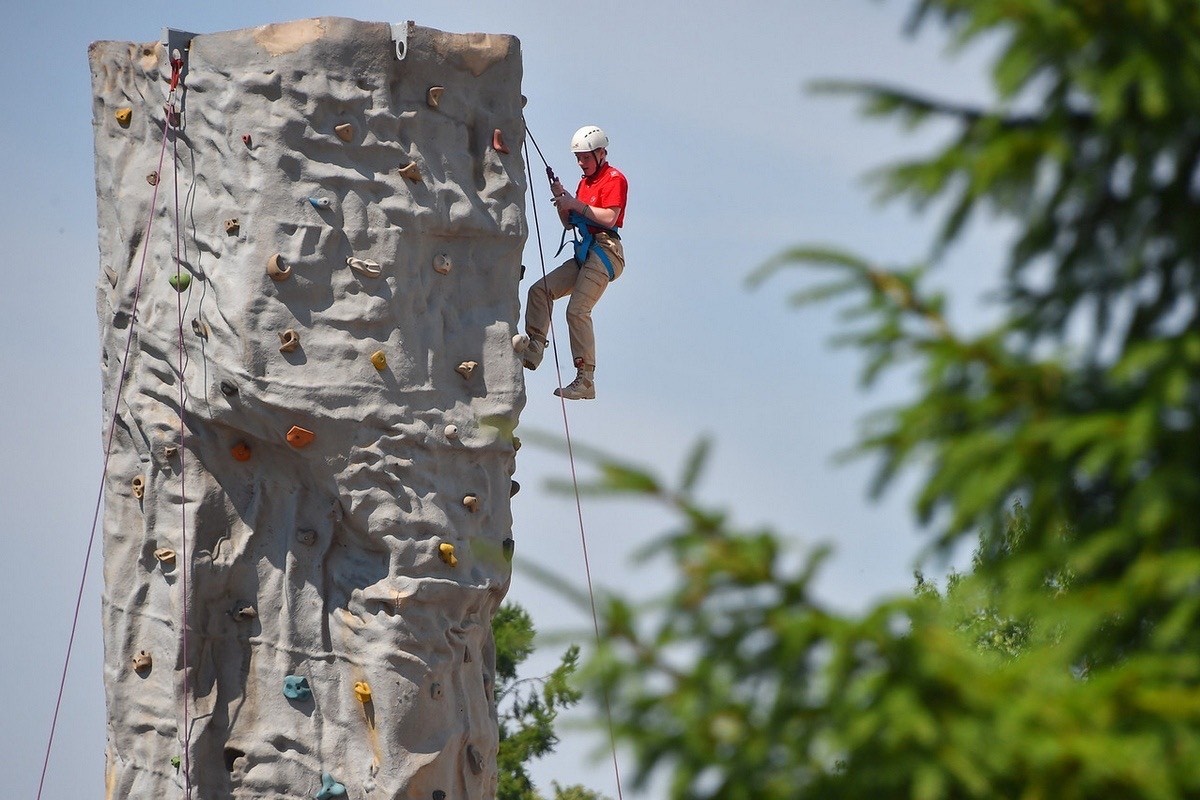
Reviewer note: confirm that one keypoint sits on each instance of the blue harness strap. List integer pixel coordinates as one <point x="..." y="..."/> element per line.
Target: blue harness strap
<point x="585" y="242"/>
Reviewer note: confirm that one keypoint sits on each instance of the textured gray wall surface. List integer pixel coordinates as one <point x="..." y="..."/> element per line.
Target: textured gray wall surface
<point x="362" y="556"/>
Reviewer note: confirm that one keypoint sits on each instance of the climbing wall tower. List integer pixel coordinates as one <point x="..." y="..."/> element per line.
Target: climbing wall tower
<point x="307" y="521"/>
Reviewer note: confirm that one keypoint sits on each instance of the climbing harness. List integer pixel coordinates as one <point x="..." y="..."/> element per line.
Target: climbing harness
<point x="612" y="737"/>
<point x="585" y="242"/>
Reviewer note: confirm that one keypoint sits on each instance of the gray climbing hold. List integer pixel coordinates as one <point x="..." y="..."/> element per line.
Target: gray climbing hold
<point x="441" y="264"/>
<point x="295" y="687"/>
<point x="289" y="340"/>
<point x="305" y="536"/>
<point x="320" y="202"/>
<point x="366" y="266"/>
<point x="474" y="760"/>
<point x="228" y="388"/>
<point x="435" y="691"/>
<point x="111" y="274"/>
<point x="513" y="488"/>
<point x="329" y="788"/>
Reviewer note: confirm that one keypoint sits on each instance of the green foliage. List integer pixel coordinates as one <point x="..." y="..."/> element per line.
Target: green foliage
<point x="529" y="707"/>
<point x="1066" y="664"/>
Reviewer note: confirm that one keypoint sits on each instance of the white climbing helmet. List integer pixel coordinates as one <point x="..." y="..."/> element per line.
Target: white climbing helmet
<point x="587" y="139"/>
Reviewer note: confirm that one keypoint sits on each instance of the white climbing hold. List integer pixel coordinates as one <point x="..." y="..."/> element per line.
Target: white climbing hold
<point x="364" y="265"/>
<point x="520" y="342"/>
<point x="451" y="431"/>
<point x="471" y="502"/>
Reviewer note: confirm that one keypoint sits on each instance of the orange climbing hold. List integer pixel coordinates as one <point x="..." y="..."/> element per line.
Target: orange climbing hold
<point x="498" y="141"/>
<point x="277" y="269"/>
<point x="411" y="171"/>
<point x="300" y="437"/>
<point x="240" y="451"/>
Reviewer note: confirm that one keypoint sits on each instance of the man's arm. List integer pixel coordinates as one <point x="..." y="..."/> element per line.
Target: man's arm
<point x="604" y="217"/>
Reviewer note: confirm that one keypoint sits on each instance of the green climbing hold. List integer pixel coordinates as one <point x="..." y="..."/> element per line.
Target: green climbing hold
<point x="330" y="788"/>
<point x="295" y="687"/>
<point x="175" y="761"/>
<point x="180" y="280"/>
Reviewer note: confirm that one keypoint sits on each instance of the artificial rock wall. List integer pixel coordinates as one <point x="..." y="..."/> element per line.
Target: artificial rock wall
<point x="303" y="555"/>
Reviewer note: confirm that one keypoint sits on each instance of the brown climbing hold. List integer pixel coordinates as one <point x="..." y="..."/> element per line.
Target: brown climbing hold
<point x="142" y="661"/>
<point x="240" y="451"/>
<point x="246" y="140"/>
<point x="471" y="502"/>
<point x="111" y="274"/>
<point x="289" y="340"/>
<point x="364" y="265"/>
<point x="435" y="691"/>
<point x="300" y="437"/>
<point x="245" y="614"/>
<point x="438" y="794"/>
<point x="362" y="690"/>
<point x="379" y="359"/>
<point x="411" y="171"/>
<point x="513" y="488"/>
<point x="474" y="760"/>
<point x="170" y="451"/>
<point x="516" y="443"/>
<point x="466" y="368"/>
<point x="498" y="142"/>
<point x="446" y="552"/>
<point x="451" y="431"/>
<point x="345" y="131"/>
<point x="466" y="655"/>
<point x="139" y="487"/>
<point x="199" y="328"/>
<point x="232" y="226"/>
<point x="123" y="115"/>
<point x="441" y="264"/>
<point x="524" y="100"/>
<point x="165" y="554"/>
<point x="277" y="269"/>
<point x="434" y="96"/>
<point x="152" y="179"/>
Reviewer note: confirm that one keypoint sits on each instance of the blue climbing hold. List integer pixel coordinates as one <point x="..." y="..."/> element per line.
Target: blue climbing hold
<point x="320" y="202"/>
<point x="295" y="687"/>
<point x="330" y="788"/>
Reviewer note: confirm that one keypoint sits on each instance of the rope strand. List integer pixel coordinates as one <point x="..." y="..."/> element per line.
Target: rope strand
<point x="587" y="568"/>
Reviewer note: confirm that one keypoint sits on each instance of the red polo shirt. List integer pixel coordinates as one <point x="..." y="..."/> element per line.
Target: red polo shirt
<point x="606" y="189"/>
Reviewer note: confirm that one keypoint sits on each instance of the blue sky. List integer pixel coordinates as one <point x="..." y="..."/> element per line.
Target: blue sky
<point x="729" y="162"/>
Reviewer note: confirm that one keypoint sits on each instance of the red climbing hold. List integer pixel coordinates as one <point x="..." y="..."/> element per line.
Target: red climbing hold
<point x="240" y="451"/>
<point x="300" y="437"/>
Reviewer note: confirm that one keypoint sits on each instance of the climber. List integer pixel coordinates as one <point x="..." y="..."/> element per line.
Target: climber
<point x="596" y="211"/>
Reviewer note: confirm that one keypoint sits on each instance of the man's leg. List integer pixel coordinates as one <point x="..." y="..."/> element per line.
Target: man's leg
<point x="539" y="305"/>
<point x="589" y="286"/>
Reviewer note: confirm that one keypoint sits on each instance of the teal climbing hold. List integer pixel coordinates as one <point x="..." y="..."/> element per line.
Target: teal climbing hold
<point x="295" y="687"/>
<point x="180" y="280"/>
<point x="330" y="788"/>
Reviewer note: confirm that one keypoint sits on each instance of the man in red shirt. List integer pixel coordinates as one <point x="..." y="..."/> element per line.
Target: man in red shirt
<point x="597" y="211"/>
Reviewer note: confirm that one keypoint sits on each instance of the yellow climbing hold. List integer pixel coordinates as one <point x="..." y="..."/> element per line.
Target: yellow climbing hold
<point x="446" y="551"/>
<point x="124" y="116"/>
<point x="362" y="690"/>
<point x="379" y="359"/>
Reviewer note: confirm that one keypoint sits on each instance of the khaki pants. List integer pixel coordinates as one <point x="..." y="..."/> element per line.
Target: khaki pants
<point x="585" y="285"/>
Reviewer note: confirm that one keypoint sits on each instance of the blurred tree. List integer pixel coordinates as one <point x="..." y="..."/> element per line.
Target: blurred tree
<point x="528" y="707"/>
<point x="1082" y="405"/>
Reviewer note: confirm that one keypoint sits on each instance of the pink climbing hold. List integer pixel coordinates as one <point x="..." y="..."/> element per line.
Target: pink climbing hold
<point x="498" y="141"/>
